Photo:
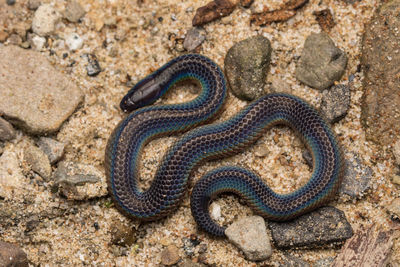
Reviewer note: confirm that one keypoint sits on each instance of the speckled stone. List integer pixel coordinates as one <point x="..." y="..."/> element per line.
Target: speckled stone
<point x="74" y="11"/>
<point x="27" y="77"/>
<point x="335" y="103"/>
<point x="12" y="256"/>
<point x="52" y="148"/>
<point x="79" y="181"/>
<point x="7" y="132"/>
<point x="45" y="19"/>
<point x="323" y="226"/>
<point x="321" y="62"/>
<point x="38" y="161"/>
<point x="246" y="66"/>
<point x="194" y="37"/>
<point x="250" y="235"/>
<point x="357" y="177"/>
<point x="122" y="234"/>
<point x="325" y="262"/>
<point x="292" y="261"/>
<point x="380" y="60"/>
<point x="33" y="4"/>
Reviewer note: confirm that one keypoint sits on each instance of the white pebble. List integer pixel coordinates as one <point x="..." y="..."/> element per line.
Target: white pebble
<point x="38" y="42"/>
<point x="74" y="41"/>
<point x="215" y="211"/>
<point x="44" y="20"/>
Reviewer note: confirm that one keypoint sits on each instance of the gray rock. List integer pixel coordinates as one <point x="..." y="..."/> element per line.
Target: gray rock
<point x="12" y="256"/>
<point x="7" y="132"/>
<point x="250" y="235"/>
<point x="292" y="261"/>
<point x="357" y="178"/>
<point x="325" y="225"/>
<point x="10" y="2"/>
<point x="27" y="77"/>
<point x="74" y="11"/>
<point x="246" y="66"/>
<point x="79" y="181"/>
<point x="45" y="19"/>
<point x="194" y="37"/>
<point x="335" y="103"/>
<point x="11" y="176"/>
<point x="380" y="61"/>
<point x="52" y="148"/>
<point x="93" y="66"/>
<point x="321" y="62"/>
<point x="38" y="161"/>
<point x="325" y="262"/>
<point x="396" y="151"/>
<point x="261" y="150"/>
<point x="33" y="4"/>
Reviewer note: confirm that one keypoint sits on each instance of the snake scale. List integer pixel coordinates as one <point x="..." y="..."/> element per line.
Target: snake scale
<point x="212" y="141"/>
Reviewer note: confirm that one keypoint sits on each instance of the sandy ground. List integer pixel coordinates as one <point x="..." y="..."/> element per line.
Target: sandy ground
<point x="149" y="31"/>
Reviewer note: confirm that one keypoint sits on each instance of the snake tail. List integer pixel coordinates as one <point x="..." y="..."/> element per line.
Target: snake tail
<point x="328" y="165"/>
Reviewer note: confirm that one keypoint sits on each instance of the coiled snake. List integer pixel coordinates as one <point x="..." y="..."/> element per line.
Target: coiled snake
<point x="212" y="141"/>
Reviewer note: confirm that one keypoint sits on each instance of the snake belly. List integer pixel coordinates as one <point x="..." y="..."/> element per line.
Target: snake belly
<point x="213" y="141"/>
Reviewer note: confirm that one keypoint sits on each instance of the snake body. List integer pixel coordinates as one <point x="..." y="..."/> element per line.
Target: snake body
<point x="212" y="141"/>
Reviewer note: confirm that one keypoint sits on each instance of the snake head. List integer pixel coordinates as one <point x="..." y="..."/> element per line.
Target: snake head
<point x="144" y="93"/>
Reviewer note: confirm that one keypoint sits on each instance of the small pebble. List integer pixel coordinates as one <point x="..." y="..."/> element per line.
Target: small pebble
<point x="170" y="255"/>
<point x="37" y="42"/>
<point x="396" y="179"/>
<point x="15" y="39"/>
<point x="396" y="151"/>
<point x="323" y="226"/>
<point x="44" y="20"/>
<point x="246" y="65"/>
<point x="357" y="177"/>
<point x="394" y="208"/>
<point x="74" y="41"/>
<point x="74" y="11"/>
<point x="52" y="148"/>
<point x="215" y="211"/>
<point x="189" y="263"/>
<point x="321" y="62"/>
<point x="194" y="38"/>
<point x="7" y="131"/>
<point x="93" y="66"/>
<point x="335" y="103"/>
<point x="10" y="2"/>
<point x="122" y="234"/>
<point x="11" y="255"/>
<point x="38" y="160"/>
<point x="33" y="4"/>
<point x="250" y="235"/>
<point x="79" y="181"/>
<point x="261" y="150"/>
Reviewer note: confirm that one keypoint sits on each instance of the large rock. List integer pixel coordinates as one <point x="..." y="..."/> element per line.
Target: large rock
<point x="246" y="66"/>
<point x="321" y="62"/>
<point x="381" y="64"/>
<point x="33" y="95"/>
